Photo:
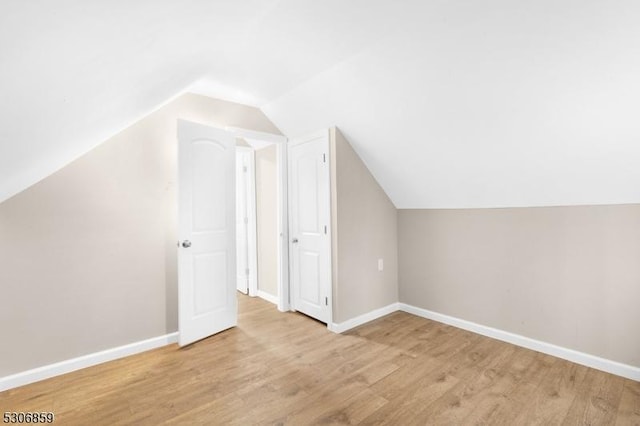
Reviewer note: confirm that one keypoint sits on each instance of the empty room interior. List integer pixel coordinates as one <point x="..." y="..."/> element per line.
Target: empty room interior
<point x="320" y="212"/>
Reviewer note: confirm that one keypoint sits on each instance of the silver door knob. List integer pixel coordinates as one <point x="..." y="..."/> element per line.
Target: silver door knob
<point x="186" y="244"/>
<point x="295" y="240"/>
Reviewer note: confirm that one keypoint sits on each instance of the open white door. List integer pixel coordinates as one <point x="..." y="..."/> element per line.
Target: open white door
<point x="206" y="253"/>
<point x="310" y="213"/>
<point x="246" y="256"/>
<point x="242" y="225"/>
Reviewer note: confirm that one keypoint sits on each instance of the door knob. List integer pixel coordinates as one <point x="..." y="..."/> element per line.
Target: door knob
<point x="186" y="244"/>
<point x="295" y="240"/>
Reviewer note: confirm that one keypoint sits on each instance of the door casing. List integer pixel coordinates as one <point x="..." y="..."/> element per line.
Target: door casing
<point x="281" y="142"/>
<point x="284" y="303"/>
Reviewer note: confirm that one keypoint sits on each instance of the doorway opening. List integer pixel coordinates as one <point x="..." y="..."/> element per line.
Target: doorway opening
<point x="261" y="216"/>
<point x="213" y="237"/>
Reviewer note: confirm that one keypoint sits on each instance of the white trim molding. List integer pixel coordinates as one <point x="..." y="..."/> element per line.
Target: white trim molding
<point x="364" y="318"/>
<point x="283" y="222"/>
<point x="609" y="366"/>
<point x="67" y="366"/>
<point x="63" y="367"/>
<point x="267" y="296"/>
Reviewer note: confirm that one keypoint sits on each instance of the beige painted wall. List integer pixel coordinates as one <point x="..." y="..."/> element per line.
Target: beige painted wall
<point x="564" y="275"/>
<point x="364" y="229"/>
<point x="88" y="255"/>
<point x="267" y="218"/>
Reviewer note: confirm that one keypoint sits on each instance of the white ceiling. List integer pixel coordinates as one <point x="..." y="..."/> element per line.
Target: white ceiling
<point x="450" y="103"/>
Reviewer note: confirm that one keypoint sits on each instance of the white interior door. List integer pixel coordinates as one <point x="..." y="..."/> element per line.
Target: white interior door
<point x="310" y="212"/>
<point x="206" y="253"/>
<point x="242" y="223"/>
<point x="246" y="222"/>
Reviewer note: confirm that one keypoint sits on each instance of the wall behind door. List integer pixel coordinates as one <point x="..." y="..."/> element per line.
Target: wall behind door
<point x="364" y="229"/>
<point x="569" y="275"/>
<point x="88" y="255"/>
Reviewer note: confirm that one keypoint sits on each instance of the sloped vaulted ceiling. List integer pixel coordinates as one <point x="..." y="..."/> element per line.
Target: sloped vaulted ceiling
<point x="450" y="103"/>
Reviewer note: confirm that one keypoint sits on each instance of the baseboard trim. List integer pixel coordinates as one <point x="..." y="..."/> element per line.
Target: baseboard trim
<point x="63" y="367"/>
<point x="67" y="366"/>
<point x="613" y="367"/>
<point x="268" y="297"/>
<point x="362" y="319"/>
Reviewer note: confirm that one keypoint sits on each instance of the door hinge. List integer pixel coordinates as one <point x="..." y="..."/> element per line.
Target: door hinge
<point x="324" y="158"/>
<point x="246" y="271"/>
<point x="326" y="301"/>
<point x="325" y="229"/>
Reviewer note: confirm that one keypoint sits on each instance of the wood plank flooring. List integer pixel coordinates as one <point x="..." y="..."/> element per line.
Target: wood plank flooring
<point x="278" y="368"/>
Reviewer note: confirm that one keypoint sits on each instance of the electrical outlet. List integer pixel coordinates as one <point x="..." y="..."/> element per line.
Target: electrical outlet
<point x="380" y="264"/>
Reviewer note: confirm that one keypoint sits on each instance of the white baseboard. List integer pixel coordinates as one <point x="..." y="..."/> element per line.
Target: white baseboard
<point x="362" y="319"/>
<point x="613" y="367"/>
<point x="268" y="297"/>
<point x="63" y="367"/>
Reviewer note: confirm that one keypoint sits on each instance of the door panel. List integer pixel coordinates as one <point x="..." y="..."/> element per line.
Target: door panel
<point x="209" y="186"/>
<point x="310" y="248"/>
<point x="308" y="191"/>
<point x="206" y="210"/>
<point x="311" y="291"/>
<point x="209" y="298"/>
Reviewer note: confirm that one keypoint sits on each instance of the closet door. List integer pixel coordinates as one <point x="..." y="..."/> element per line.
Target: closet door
<point x="310" y="212"/>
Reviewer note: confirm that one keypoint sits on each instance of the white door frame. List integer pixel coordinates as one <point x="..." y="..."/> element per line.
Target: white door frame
<point x="329" y="291"/>
<point x="283" y="209"/>
<point x="252" y="238"/>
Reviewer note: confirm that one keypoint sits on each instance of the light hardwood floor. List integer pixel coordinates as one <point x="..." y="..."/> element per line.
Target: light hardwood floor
<point x="277" y="368"/>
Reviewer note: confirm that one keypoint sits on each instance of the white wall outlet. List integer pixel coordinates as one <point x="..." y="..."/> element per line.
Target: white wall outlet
<point x="380" y="264"/>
